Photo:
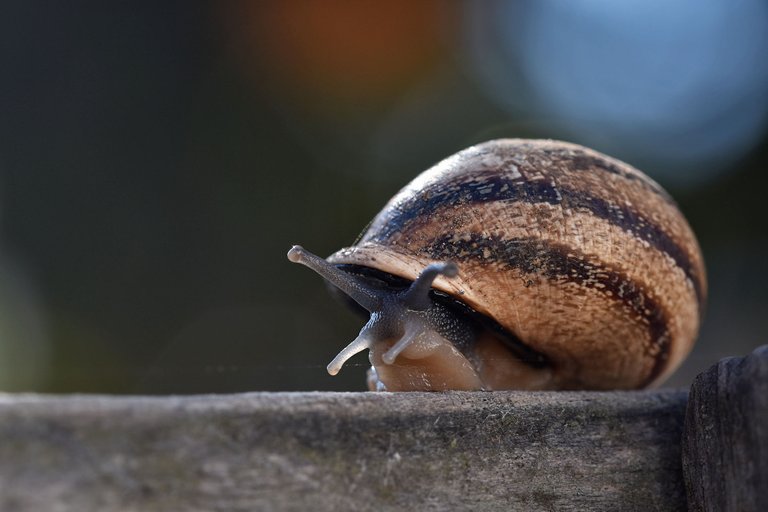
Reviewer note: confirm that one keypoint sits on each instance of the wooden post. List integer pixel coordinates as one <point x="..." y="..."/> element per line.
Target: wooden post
<point x="725" y="445"/>
<point x="343" y="451"/>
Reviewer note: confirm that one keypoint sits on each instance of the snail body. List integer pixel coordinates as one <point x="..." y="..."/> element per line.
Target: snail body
<point x="523" y="264"/>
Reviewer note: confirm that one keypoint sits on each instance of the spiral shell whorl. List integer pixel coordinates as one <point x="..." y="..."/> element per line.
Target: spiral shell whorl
<point x="581" y="256"/>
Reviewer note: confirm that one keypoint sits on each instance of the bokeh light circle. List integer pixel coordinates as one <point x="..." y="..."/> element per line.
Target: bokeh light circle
<point x="681" y="87"/>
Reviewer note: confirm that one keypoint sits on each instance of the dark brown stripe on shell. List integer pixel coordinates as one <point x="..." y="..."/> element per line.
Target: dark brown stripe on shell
<point x="569" y="157"/>
<point x="578" y="160"/>
<point x="559" y="263"/>
<point x="490" y="186"/>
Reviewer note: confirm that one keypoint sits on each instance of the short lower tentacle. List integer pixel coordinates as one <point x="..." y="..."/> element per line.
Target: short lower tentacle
<point x="408" y="337"/>
<point x="364" y="341"/>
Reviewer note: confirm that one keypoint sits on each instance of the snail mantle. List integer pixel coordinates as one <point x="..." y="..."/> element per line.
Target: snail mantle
<point x="394" y="451"/>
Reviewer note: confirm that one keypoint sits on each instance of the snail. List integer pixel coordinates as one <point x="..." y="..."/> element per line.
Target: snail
<point x="522" y="264"/>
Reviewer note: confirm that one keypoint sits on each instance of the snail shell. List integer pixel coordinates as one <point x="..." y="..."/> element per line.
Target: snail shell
<point x="575" y="271"/>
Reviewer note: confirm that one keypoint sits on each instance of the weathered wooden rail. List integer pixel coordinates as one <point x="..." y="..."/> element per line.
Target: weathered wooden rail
<point x="380" y="451"/>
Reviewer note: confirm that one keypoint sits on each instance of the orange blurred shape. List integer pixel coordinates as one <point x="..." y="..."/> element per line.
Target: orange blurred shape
<point x="344" y="49"/>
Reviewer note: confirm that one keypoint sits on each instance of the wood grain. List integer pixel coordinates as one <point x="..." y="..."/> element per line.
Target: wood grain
<point x="725" y="445"/>
<point x="343" y="451"/>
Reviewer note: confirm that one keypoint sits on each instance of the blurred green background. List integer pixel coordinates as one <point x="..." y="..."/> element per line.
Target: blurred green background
<point x="158" y="159"/>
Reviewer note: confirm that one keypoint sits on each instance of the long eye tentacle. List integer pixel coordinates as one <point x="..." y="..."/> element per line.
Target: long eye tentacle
<point x="417" y="296"/>
<point x="360" y="293"/>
